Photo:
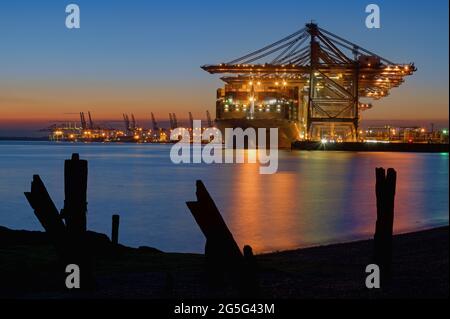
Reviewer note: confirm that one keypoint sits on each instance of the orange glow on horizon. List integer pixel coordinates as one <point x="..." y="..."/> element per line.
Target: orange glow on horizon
<point x="29" y="101"/>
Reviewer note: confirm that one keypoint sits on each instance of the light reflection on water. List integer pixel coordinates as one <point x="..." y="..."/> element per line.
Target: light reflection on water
<point x="315" y="198"/>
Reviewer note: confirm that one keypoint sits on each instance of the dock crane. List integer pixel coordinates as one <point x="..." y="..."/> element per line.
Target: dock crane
<point x="191" y="121"/>
<point x="126" y="120"/>
<point x="154" y="123"/>
<point x="91" y="124"/>
<point x="172" y="125"/>
<point x="83" y="121"/>
<point x="133" y="122"/>
<point x="175" y="121"/>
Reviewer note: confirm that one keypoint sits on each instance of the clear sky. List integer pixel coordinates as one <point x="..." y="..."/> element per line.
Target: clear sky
<point x="145" y="56"/>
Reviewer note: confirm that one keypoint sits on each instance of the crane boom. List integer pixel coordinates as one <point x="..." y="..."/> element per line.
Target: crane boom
<point x="175" y="121"/>
<point x="154" y="123"/>
<point x="191" y="121"/>
<point x="91" y="124"/>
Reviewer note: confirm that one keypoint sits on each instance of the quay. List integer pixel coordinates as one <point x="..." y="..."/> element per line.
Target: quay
<point x="370" y="147"/>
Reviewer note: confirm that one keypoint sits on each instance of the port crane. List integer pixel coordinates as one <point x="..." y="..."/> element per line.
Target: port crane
<point x="330" y="73"/>
<point x="172" y="125"/>
<point x="83" y="121"/>
<point x="175" y="121"/>
<point x="133" y="123"/>
<point x="126" y="121"/>
<point x="130" y="125"/>
<point x="91" y="123"/>
<point x="191" y="121"/>
<point x="154" y="123"/>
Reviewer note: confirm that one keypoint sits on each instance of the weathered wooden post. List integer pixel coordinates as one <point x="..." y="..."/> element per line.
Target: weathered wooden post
<point x="75" y="189"/>
<point x="115" y="229"/>
<point x="47" y="214"/>
<point x="69" y="238"/>
<point x="74" y="213"/>
<point x="222" y="253"/>
<point x="385" y="192"/>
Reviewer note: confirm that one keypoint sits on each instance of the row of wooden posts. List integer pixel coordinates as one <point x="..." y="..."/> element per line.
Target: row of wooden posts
<point x="225" y="262"/>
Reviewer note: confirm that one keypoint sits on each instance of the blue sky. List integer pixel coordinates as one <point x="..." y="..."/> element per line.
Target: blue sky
<point x="145" y="55"/>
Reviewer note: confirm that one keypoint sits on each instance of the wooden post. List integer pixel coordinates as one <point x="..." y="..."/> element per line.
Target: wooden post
<point x="385" y="192"/>
<point x="115" y="229"/>
<point x="75" y="189"/>
<point x="74" y="212"/>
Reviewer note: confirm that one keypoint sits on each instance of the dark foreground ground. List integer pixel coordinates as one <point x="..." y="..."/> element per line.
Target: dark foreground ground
<point x="420" y="269"/>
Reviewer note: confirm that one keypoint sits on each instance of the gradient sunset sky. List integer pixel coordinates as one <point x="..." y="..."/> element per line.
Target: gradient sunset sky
<point x="145" y="56"/>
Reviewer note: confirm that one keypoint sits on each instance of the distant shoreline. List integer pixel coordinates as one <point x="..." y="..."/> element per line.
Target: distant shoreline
<point x="19" y="138"/>
<point x="298" y="146"/>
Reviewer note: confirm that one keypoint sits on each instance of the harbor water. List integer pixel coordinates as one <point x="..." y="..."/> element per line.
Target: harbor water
<point x="315" y="197"/>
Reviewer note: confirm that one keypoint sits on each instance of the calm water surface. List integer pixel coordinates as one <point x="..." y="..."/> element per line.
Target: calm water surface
<point x="315" y="198"/>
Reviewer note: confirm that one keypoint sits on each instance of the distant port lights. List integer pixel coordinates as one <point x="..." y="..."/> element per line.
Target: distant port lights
<point x="78" y="134"/>
<point x="389" y="134"/>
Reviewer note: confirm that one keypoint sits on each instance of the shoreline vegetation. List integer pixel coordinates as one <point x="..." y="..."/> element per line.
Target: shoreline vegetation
<point x="419" y="270"/>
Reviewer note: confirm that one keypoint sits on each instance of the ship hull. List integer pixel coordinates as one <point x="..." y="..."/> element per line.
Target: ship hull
<point x="288" y="131"/>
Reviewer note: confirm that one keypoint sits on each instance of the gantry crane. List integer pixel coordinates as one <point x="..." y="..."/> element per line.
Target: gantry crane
<point x="83" y="121"/>
<point x="154" y="124"/>
<point x="191" y="121"/>
<point x="91" y="123"/>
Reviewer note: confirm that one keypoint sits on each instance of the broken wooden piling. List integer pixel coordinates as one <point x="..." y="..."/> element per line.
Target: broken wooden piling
<point x="47" y="214"/>
<point x="223" y="256"/>
<point x="220" y="244"/>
